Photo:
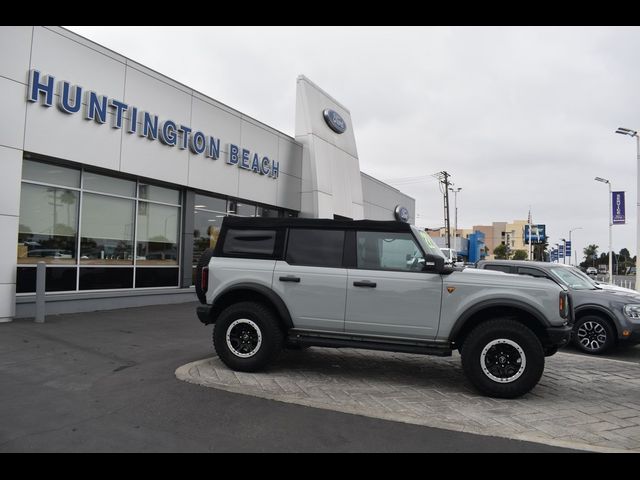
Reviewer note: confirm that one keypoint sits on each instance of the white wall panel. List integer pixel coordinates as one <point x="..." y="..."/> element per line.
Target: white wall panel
<point x="8" y="250"/>
<point x="157" y="97"/>
<point x="11" y="161"/>
<point x="259" y="188"/>
<point x="65" y="59"/>
<point x="71" y="137"/>
<point x="290" y="157"/>
<point x="15" y="49"/>
<point x="288" y="192"/>
<point x="14" y="104"/>
<point x="216" y="122"/>
<point x="258" y="140"/>
<point x="7" y="301"/>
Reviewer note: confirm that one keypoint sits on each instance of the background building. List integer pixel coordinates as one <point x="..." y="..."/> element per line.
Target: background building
<point x="118" y="177"/>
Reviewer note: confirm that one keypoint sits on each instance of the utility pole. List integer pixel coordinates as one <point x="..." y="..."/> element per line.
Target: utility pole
<point x="443" y="177"/>
<point x="455" y="221"/>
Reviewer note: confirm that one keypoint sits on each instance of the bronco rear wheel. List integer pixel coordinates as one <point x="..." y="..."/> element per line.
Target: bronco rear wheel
<point x="247" y="336"/>
<point x="503" y="358"/>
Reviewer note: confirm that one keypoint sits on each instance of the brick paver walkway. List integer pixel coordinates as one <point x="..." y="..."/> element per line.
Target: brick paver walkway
<point x="583" y="402"/>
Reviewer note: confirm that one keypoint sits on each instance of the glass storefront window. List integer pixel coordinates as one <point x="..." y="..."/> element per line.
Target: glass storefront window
<point x="211" y="203"/>
<point x="107" y="230"/>
<point x="241" y="209"/>
<point x="158" y="227"/>
<point x="104" y="184"/>
<point x="267" y="212"/>
<point x="158" y="194"/>
<point x="47" y="229"/>
<point x="53" y="174"/>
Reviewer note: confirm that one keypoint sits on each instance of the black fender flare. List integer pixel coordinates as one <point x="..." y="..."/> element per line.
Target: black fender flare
<point x="497" y="302"/>
<point x="602" y="310"/>
<point x="273" y="297"/>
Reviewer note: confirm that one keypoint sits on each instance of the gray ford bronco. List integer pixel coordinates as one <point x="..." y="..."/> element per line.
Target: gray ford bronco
<point x="274" y="283"/>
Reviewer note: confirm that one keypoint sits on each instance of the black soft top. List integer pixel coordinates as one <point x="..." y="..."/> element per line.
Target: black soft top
<point x="260" y="222"/>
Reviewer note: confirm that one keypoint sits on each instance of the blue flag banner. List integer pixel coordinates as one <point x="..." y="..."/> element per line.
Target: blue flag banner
<point x="617" y="205"/>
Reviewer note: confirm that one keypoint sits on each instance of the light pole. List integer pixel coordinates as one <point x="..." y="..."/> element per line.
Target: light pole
<point x="455" y="221"/>
<point x="603" y="180"/>
<point x="634" y="133"/>
<point x="575" y="255"/>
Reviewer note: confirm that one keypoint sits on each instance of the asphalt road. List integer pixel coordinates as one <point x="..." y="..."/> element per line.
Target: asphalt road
<point x="625" y="353"/>
<point x="104" y="382"/>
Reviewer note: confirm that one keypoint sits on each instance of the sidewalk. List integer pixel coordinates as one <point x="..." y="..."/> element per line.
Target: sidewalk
<point x="581" y="402"/>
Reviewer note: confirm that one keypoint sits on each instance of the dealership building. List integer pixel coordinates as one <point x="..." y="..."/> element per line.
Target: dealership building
<point x="118" y="177"/>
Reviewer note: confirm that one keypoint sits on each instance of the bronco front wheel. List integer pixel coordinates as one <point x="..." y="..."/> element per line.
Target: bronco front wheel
<point x="503" y="358"/>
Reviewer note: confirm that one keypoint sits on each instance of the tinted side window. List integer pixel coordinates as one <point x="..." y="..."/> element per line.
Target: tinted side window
<point x="499" y="268"/>
<point x="388" y="251"/>
<point x="317" y="248"/>
<point x="250" y="242"/>
<point x="531" y="271"/>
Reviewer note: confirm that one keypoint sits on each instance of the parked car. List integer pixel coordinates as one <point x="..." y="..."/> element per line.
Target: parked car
<point x="592" y="271"/>
<point x="605" y="316"/>
<point x="272" y="283"/>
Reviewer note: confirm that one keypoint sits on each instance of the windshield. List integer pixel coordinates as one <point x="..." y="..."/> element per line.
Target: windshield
<point x="570" y="279"/>
<point x="584" y="276"/>
<point x="426" y="242"/>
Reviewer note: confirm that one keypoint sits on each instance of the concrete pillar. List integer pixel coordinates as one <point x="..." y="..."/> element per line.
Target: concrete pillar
<point x="15" y="53"/>
<point x="11" y="161"/>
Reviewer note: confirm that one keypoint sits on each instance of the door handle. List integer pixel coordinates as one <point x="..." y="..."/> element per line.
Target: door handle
<point x="290" y="278"/>
<point x="365" y="283"/>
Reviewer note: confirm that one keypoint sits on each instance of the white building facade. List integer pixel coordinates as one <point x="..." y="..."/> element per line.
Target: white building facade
<point x="118" y="177"/>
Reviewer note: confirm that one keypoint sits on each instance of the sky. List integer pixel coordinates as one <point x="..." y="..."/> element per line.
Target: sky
<point x="521" y="117"/>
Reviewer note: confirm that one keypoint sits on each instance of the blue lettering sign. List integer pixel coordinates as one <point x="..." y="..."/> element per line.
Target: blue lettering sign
<point x="275" y="169"/>
<point x="117" y="116"/>
<point x="185" y="137"/>
<point x="233" y="154"/>
<point x="169" y="133"/>
<point x="36" y="86"/>
<point x="149" y="126"/>
<point x="64" y="98"/>
<point x="264" y="166"/>
<point x="97" y="107"/>
<point x="255" y="163"/>
<point x="198" y="143"/>
<point x="244" y="162"/>
<point x="214" y="148"/>
<point x="133" y="121"/>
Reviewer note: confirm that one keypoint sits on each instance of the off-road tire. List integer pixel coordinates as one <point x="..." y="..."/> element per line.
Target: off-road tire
<point x="255" y="321"/>
<point x="500" y="339"/>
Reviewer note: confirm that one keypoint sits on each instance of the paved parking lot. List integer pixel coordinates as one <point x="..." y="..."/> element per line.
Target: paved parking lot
<point x="581" y="402"/>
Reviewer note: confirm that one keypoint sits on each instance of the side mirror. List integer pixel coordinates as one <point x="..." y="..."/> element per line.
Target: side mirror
<point x="433" y="263"/>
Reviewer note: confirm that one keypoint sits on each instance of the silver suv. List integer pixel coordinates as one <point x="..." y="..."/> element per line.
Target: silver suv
<point x="276" y="283"/>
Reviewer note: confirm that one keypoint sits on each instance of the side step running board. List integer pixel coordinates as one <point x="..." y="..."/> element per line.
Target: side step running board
<point x="317" y="340"/>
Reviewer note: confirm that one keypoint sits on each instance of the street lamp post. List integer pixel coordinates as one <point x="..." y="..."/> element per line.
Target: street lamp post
<point x="634" y="133"/>
<point x="604" y="180"/>
<point x="575" y="254"/>
<point x="455" y="221"/>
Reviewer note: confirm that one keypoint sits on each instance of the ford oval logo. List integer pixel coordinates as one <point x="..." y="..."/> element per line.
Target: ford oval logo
<point x="401" y="214"/>
<point x="334" y="120"/>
